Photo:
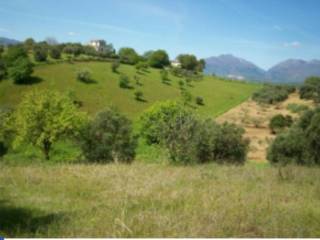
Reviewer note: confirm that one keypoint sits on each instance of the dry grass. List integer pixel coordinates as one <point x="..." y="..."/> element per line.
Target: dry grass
<point x="148" y="200"/>
<point x="255" y="119"/>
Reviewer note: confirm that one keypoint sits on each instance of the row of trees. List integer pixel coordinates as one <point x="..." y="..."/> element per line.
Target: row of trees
<point x="45" y="117"/>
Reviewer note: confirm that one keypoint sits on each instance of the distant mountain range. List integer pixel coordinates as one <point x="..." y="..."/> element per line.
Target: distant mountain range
<point x="7" y="41"/>
<point x="289" y="71"/>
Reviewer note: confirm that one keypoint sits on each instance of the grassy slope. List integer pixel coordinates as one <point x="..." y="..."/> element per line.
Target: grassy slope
<point x="158" y="201"/>
<point x="218" y="95"/>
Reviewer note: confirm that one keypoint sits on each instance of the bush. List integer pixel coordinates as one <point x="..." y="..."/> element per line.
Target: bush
<point x="138" y="95"/>
<point x="300" y="144"/>
<point x="279" y="122"/>
<point x="3" y="69"/>
<point x="186" y="97"/>
<point x="128" y="56"/>
<point x="109" y="138"/>
<point x="141" y="66"/>
<point x="21" y="71"/>
<point x="5" y="133"/>
<point x="164" y="76"/>
<point x="84" y="75"/>
<point x="190" y="140"/>
<point x="55" y="52"/>
<point x="311" y="89"/>
<point x="271" y="94"/>
<point x="222" y="143"/>
<point x="297" y="108"/>
<point x="124" y="81"/>
<point x="13" y="54"/>
<point x="40" y="53"/>
<point x="114" y="66"/>
<point x="157" y="115"/>
<point x="199" y="100"/>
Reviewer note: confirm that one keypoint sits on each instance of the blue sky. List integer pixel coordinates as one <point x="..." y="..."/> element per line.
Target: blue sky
<point x="264" y="32"/>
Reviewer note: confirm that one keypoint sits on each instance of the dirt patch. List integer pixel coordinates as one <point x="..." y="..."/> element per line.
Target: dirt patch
<point x="254" y="118"/>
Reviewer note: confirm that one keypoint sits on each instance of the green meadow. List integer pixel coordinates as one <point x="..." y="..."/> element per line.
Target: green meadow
<point x="219" y="95"/>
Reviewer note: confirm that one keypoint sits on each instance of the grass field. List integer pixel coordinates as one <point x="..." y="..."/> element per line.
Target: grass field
<point x="219" y="95"/>
<point x="153" y="200"/>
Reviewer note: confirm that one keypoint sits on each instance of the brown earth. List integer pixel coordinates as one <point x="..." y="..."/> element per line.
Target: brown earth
<point x="254" y="118"/>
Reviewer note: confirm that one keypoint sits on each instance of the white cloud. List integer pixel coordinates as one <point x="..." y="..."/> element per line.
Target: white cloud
<point x="294" y="44"/>
<point x="72" y="33"/>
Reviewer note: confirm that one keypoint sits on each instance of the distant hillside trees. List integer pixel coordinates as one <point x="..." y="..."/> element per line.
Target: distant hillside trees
<point x="128" y="56"/>
<point x="311" y="89"/>
<point x="190" y="62"/>
<point x="158" y="59"/>
<point x="44" y="117"/>
<point x="271" y="94"/>
<point x="55" y="52"/>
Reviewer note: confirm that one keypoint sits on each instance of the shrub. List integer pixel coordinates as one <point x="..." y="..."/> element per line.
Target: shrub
<point x="109" y="138"/>
<point x="40" y="53"/>
<point x="222" y="143"/>
<point x="13" y="54"/>
<point x="157" y="115"/>
<point x="84" y="75"/>
<point x="55" y="52"/>
<point x="21" y="71"/>
<point x="279" y="122"/>
<point x="114" y="66"/>
<point x="297" y="108"/>
<point x="181" y="84"/>
<point x="164" y="75"/>
<point x="300" y="144"/>
<point x="5" y="133"/>
<point x="271" y="94"/>
<point x="138" y="95"/>
<point x="311" y="89"/>
<point x="3" y="69"/>
<point x="141" y="66"/>
<point x="199" y="100"/>
<point x="44" y="117"/>
<point x="124" y="81"/>
<point x="186" y="97"/>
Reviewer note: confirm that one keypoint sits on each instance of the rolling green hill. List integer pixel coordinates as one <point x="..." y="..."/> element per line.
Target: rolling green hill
<point x="219" y="95"/>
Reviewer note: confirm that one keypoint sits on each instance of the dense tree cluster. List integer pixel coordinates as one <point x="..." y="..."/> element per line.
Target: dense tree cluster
<point x="271" y="94"/>
<point x="311" y="89"/>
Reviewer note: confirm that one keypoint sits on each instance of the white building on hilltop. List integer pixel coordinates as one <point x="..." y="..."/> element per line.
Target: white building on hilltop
<point x="98" y="45"/>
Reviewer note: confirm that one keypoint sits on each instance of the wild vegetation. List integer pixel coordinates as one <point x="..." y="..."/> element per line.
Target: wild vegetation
<point x="271" y="94"/>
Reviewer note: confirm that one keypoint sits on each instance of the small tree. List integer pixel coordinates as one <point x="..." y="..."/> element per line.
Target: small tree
<point x="114" y="66"/>
<point x="84" y="75"/>
<point x="13" y="54"/>
<point x="21" y="71"/>
<point x="124" y="81"/>
<point x="128" y="55"/>
<point x="138" y="95"/>
<point x="164" y="76"/>
<point x="158" y="59"/>
<point x="44" y="117"/>
<point x="109" y="138"/>
<point x="186" y="97"/>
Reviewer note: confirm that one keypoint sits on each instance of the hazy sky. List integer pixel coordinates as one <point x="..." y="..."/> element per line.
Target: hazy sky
<point x="262" y="31"/>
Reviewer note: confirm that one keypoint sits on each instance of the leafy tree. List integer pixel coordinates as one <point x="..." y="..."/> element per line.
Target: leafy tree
<point x="311" y="89"/>
<point x="13" y="53"/>
<point x="74" y="49"/>
<point x="128" y="56"/>
<point x="154" y="117"/>
<point x="188" y="62"/>
<point x="109" y="138"/>
<point x="5" y="133"/>
<point x="21" y="70"/>
<point x="29" y="43"/>
<point x="147" y="55"/>
<point x="201" y="65"/>
<point x="1" y="50"/>
<point x="40" y="53"/>
<point x="138" y="95"/>
<point x="158" y="59"/>
<point x="124" y="81"/>
<point x="44" y="117"/>
<point x="55" y="52"/>
<point x="114" y="66"/>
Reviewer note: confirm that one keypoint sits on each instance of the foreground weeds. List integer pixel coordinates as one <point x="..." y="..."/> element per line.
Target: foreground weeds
<point x="149" y="200"/>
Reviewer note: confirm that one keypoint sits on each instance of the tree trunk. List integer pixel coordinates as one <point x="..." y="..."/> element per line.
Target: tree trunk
<point x="46" y="148"/>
